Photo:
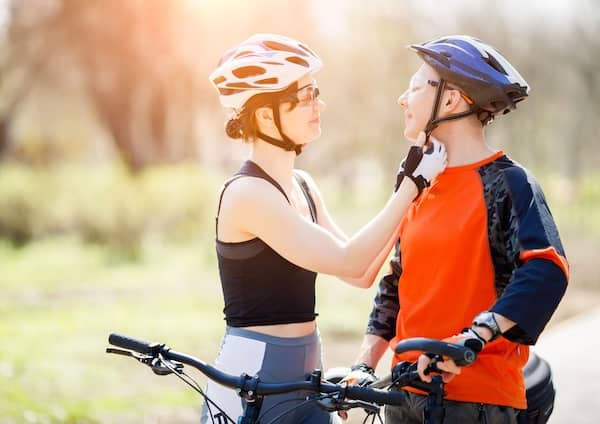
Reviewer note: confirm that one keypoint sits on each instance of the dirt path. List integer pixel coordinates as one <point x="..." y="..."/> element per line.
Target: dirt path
<point x="571" y="348"/>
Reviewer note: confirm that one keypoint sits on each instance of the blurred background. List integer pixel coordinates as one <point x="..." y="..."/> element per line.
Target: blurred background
<point x="112" y="152"/>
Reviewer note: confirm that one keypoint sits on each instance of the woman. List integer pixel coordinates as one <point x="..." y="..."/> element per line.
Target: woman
<point x="274" y="232"/>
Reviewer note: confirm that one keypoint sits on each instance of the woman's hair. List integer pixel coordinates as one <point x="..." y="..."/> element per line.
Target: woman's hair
<point x="244" y="125"/>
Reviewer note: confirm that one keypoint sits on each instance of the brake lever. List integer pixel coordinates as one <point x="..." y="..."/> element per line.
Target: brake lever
<point x="159" y="368"/>
<point x="140" y="357"/>
<point x="405" y="374"/>
<point x="432" y="367"/>
<point x="333" y="404"/>
<point x="119" y="351"/>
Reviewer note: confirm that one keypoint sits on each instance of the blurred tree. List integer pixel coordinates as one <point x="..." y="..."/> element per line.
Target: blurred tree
<point x="554" y="131"/>
<point x="136" y="75"/>
<point x="143" y="65"/>
<point x="141" y="84"/>
<point x="20" y="65"/>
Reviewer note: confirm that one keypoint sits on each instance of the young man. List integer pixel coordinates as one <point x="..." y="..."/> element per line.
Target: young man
<point x="479" y="259"/>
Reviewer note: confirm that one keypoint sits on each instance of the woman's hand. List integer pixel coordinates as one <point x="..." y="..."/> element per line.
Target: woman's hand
<point x="422" y="166"/>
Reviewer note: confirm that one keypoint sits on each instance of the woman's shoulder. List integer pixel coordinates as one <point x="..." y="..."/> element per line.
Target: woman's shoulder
<point x="245" y="190"/>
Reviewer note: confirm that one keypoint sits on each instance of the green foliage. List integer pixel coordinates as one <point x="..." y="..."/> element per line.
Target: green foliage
<point x="61" y="296"/>
<point x="575" y="205"/>
<point x="60" y="301"/>
<point x="106" y="205"/>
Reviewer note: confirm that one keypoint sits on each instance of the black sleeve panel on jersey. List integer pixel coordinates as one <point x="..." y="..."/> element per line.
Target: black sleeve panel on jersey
<point x="386" y="305"/>
<point x="530" y="300"/>
<point x="538" y="280"/>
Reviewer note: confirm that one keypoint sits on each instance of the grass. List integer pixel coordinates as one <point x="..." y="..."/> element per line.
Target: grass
<point x="61" y="298"/>
<point x="53" y="365"/>
<point x="56" y="313"/>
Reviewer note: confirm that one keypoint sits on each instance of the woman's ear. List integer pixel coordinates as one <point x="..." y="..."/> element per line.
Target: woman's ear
<point x="264" y="117"/>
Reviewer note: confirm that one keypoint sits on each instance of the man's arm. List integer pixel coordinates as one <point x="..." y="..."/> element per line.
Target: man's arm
<point x="381" y="327"/>
<point x="540" y="277"/>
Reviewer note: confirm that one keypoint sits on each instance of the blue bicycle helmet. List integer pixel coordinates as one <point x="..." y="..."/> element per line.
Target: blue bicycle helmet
<point x="480" y="71"/>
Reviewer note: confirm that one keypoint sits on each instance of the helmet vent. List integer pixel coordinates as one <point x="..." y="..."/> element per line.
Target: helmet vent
<point x="248" y="71"/>
<point x="243" y="53"/>
<point x="267" y="81"/>
<point x="309" y="51"/>
<point x="239" y="85"/>
<point x="297" y="60"/>
<point x="491" y="60"/>
<point x="219" y="80"/>
<point x="274" y="45"/>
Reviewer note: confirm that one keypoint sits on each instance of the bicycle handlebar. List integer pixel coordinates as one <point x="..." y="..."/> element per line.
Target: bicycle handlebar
<point x="461" y="355"/>
<point x="245" y="383"/>
<point x="130" y="343"/>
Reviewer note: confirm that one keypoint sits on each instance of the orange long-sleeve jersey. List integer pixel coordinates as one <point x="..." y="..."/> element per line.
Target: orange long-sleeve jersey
<point x="480" y="238"/>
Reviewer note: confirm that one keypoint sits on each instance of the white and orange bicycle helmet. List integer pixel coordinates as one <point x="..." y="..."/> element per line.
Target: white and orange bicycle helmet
<point x="261" y="64"/>
<point x="264" y="63"/>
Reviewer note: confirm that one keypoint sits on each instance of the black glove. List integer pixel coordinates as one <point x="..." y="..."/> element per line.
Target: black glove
<point x="422" y="166"/>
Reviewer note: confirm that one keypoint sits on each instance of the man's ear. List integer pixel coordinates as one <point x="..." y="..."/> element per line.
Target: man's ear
<point x="264" y="117"/>
<point x="452" y="101"/>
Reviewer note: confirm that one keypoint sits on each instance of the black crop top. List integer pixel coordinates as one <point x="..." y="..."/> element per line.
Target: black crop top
<point x="260" y="287"/>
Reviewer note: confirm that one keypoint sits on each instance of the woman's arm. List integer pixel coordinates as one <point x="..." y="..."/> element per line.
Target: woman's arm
<point x="326" y="221"/>
<point x="366" y="280"/>
<point x="254" y="207"/>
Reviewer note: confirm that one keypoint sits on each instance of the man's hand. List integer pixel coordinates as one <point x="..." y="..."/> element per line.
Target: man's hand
<point x="468" y="338"/>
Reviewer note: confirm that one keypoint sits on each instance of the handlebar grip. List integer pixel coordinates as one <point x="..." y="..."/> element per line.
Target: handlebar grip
<point x="130" y="343"/>
<point x="462" y="355"/>
<point x="381" y="397"/>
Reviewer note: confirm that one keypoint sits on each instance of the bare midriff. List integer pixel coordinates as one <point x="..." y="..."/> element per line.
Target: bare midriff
<point x="299" y="329"/>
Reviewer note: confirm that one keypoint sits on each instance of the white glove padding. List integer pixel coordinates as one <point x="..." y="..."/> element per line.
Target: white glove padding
<point x="423" y="166"/>
<point x="359" y="377"/>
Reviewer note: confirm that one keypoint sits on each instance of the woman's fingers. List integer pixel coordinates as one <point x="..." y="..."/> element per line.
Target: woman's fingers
<point x="420" y="141"/>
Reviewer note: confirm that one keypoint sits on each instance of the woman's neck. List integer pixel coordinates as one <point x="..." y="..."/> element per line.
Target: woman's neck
<point x="275" y="161"/>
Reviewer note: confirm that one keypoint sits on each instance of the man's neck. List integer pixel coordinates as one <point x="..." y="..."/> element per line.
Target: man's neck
<point x="464" y="141"/>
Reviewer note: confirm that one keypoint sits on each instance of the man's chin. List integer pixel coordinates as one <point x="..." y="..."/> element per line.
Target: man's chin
<point x="410" y="136"/>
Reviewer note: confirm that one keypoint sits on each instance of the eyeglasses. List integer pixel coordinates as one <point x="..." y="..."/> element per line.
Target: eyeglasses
<point x="417" y="82"/>
<point x="304" y="95"/>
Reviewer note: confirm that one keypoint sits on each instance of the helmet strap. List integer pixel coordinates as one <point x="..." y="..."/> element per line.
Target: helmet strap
<point x="287" y="143"/>
<point x="433" y="121"/>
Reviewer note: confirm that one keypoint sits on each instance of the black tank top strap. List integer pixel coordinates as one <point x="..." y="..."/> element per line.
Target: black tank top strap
<point x="250" y="169"/>
<point x="229" y="181"/>
<point x="306" y="192"/>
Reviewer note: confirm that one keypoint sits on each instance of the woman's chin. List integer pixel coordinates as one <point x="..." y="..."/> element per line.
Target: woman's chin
<point x="314" y="135"/>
